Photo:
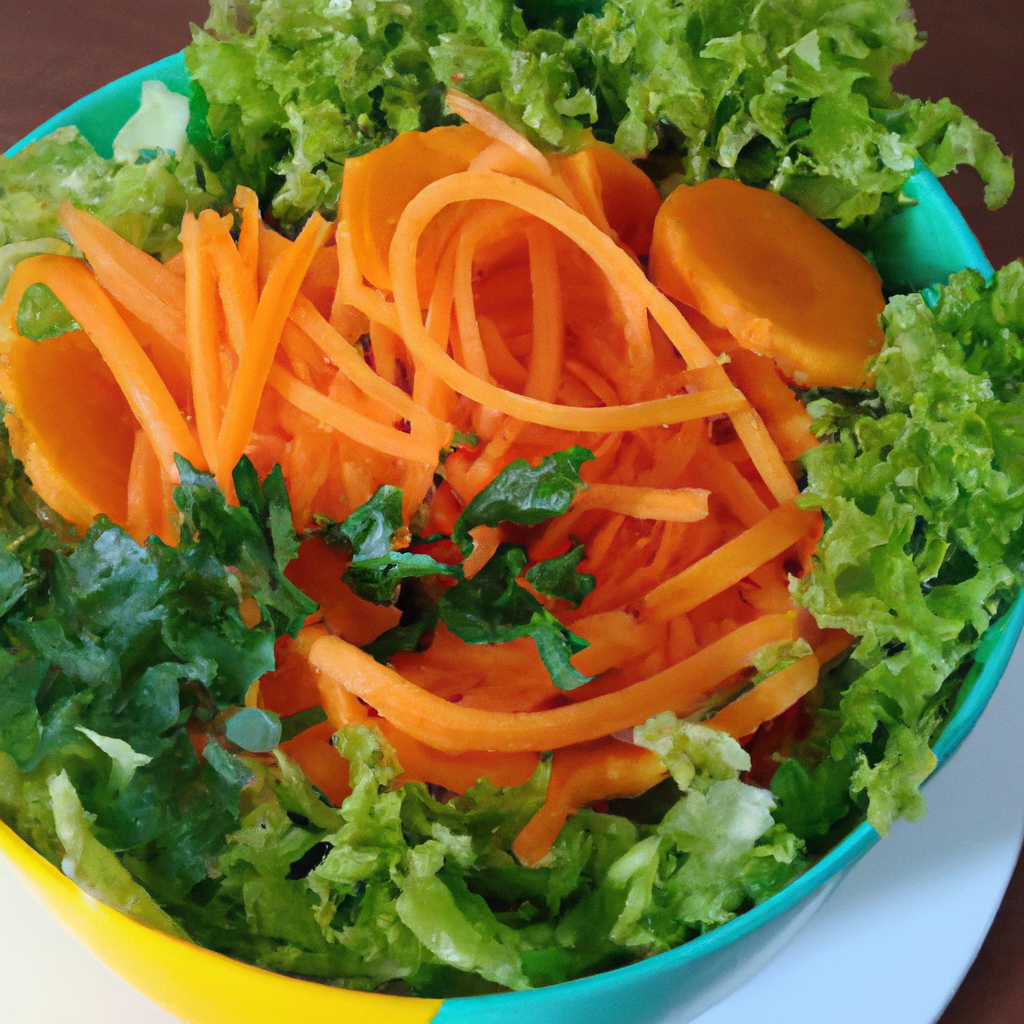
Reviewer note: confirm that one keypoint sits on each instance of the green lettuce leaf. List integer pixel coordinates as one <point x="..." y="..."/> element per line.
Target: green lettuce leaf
<point x="788" y="95"/>
<point x="923" y="493"/>
<point x="143" y="201"/>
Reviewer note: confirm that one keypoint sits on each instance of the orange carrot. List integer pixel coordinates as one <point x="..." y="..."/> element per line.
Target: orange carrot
<point x="150" y="401"/>
<point x="147" y="498"/>
<point x="455" y="729"/>
<point x="151" y="291"/>
<point x="778" y="280"/>
<point x="201" y="322"/>
<point x="730" y="563"/>
<point x="682" y="505"/>
<point x="604" y="770"/>
<point x="767" y="700"/>
<point x="352" y="424"/>
<point x="274" y="306"/>
<point x="548" y="321"/>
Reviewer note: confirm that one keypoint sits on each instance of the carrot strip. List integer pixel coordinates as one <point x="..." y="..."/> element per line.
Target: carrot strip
<point x="836" y="641"/>
<point x="201" y="316"/>
<point x="499" y="356"/>
<point x="602" y="390"/>
<point x="351" y="363"/>
<point x="474" y="359"/>
<point x="485" y="542"/>
<point x="730" y="563"/>
<point x="449" y="727"/>
<point x="548" y="319"/>
<point x="236" y="284"/>
<point x="275" y="304"/>
<point x="684" y="505"/>
<point x="384" y="344"/>
<point x="583" y="775"/>
<point x="731" y="486"/>
<point x="457" y="772"/>
<point x="147" y="500"/>
<point x="139" y="282"/>
<point x="147" y="395"/>
<point x="768" y="700"/>
<point x="491" y="125"/>
<point x="248" y="203"/>
<point x="459" y="187"/>
<point x="353" y="292"/>
<point x="320" y="761"/>
<point x="348" y="422"/>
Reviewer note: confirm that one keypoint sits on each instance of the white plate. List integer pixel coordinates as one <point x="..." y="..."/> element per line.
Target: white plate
<point x="890" y="946"/>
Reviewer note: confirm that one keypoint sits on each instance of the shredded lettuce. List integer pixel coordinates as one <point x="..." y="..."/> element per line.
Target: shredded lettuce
<point x="143" y="201"/>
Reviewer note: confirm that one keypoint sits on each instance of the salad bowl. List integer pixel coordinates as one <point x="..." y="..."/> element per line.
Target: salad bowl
<point x="918" y="248"/>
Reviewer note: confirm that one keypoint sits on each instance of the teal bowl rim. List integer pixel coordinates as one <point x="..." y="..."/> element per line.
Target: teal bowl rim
<point x="992" y="657"/>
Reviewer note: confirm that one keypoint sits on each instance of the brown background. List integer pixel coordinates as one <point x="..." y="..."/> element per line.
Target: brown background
<point x="52" y="52"/>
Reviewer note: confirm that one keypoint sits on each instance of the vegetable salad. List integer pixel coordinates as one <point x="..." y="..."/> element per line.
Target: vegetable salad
<point x="329" y="649"/>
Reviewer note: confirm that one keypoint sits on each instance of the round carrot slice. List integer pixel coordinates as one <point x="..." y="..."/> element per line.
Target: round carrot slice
<point x="778" y="280"/>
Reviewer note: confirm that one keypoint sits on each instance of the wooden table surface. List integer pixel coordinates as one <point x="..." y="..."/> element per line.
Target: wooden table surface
<point x="52" y="52"/>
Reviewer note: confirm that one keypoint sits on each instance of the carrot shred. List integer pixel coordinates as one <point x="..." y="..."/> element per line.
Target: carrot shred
<point x="731" y="562"/>
<point x="605" y="770"/>
<point x="201" y="324"/>
<point x="138" y="281"/>
<point x="683" y="505"/>
<point x="767" y="700"/>
<point x="548" y="320"/>
<point x="254" y="366"/>
<point x="449" y="727"/>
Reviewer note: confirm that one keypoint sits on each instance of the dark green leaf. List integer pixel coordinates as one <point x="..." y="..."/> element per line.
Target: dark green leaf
<point x="377" y="579"/>
<point x="525" y="494"/>
<point x="369" y="531"/>
<point x="293" y="725"/>
<point x="493" y="608"/>
<point x="560" y="577"/>
<point x="403" y="638"/>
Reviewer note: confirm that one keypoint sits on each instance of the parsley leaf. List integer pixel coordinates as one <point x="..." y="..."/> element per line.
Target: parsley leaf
<point x="525" y="494"/>
<point x="370" y="533"/>
<point x="560" y="576"/>
<point x="492" y="608"/>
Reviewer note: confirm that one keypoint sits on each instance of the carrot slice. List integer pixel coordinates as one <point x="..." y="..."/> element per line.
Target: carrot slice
<point x="376" y="187"/>
<point x="777" y="279"/>
<point x="454" y="729"/>
<point x="604" y="770"/>
<point x="70" y="425"/>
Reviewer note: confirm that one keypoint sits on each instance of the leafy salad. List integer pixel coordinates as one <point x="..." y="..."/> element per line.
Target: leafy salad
<point x="154" y="727"/>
